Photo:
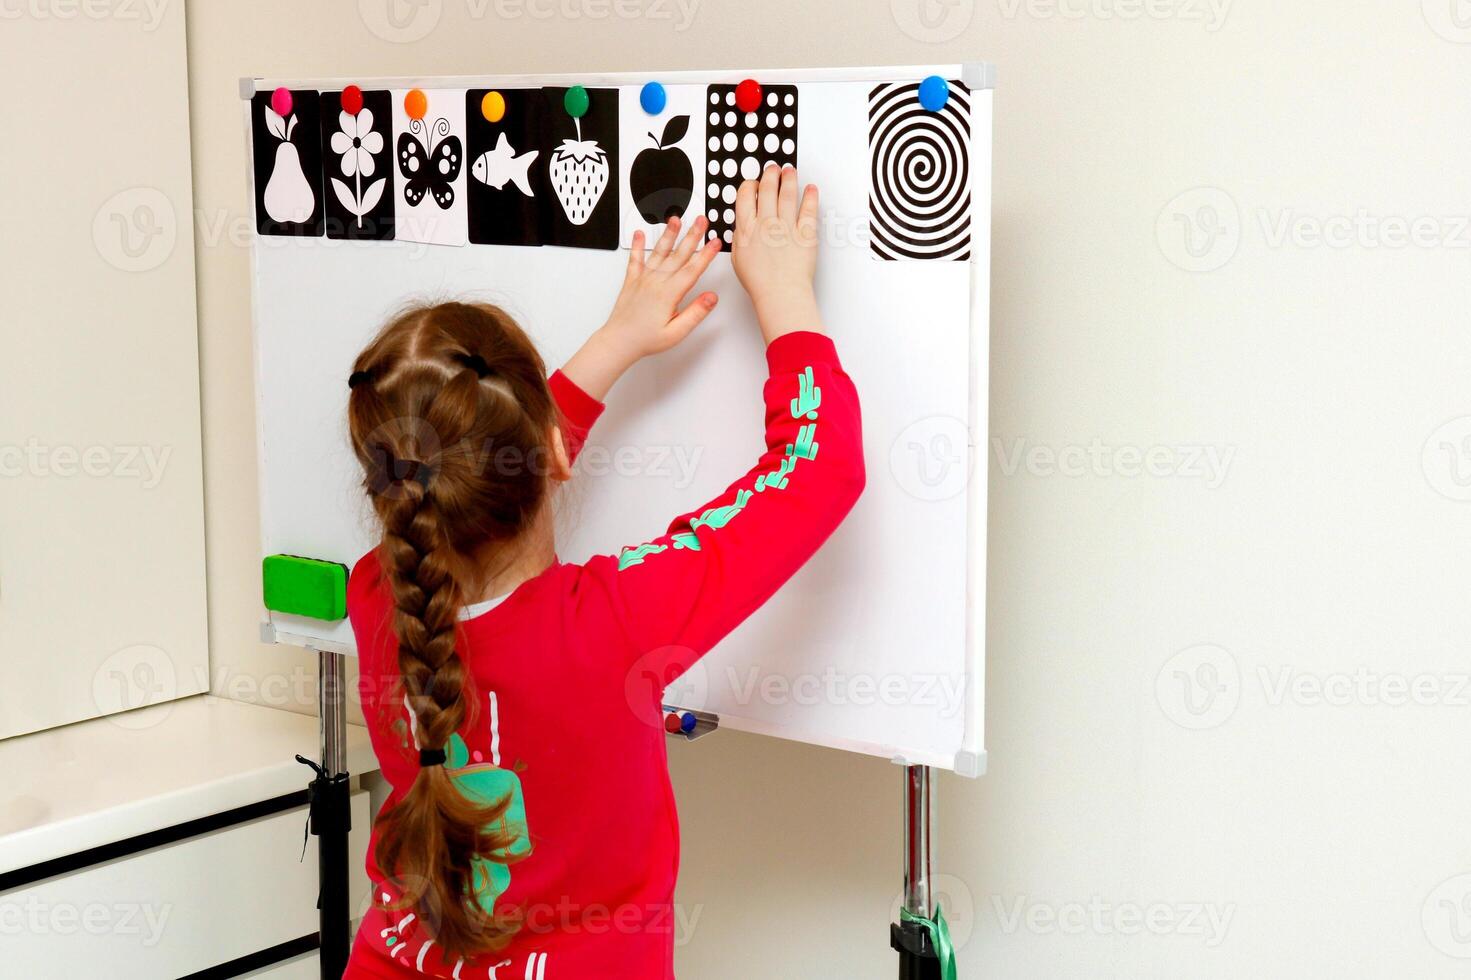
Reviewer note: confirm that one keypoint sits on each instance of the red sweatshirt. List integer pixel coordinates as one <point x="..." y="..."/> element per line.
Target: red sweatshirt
<point x="567" y="676"/>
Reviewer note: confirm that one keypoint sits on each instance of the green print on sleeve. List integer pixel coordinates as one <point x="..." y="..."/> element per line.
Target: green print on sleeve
<point x="635" y="556"/>
<point x="805" y="447"/>
<point x="809" y="398"/>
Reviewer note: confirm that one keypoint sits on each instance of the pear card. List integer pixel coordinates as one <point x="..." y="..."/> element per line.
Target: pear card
<point x="504" y="143"/>
<point x="581" y="166"/>
<point x="286" y="146"/>
<point x="662" y="137"/>
<point x="358" y="166"/>
<point x="429" y="166"/>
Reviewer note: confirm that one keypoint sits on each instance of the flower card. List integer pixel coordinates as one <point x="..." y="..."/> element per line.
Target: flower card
<point x="429" y="166"/>
<point x="286" y="148"/>
<point x="358" y="166"/>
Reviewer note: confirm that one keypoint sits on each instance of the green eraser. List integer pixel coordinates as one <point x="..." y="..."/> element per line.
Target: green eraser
<point x="305" y="586"/>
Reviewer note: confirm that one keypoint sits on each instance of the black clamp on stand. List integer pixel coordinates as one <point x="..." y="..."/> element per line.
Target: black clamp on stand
<point x="329" y="799"/>
<point x="917" y="958"/>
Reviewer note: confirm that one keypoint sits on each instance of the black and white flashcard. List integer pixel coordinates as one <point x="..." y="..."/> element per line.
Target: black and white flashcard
<point x="740" y="144"/>
<point x="429" y="159"/>
<point x="663" y="159"/>
<point x="287" y="152"/>
<point x="358" y="166"/>
<point x="582" y="170"/>
<point x="504" y="142"/>
<point x="919" y="201"/>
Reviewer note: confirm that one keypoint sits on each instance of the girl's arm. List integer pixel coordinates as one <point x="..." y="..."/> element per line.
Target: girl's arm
<point x="717" y="564"/>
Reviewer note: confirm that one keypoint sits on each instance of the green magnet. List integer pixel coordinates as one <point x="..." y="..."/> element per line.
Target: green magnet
<point x="576" y="102"/>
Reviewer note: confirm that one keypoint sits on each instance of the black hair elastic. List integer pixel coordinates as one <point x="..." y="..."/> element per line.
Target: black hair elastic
<point x="358" y="378"/>
<point x="431" y="757"/>
<point x="473" y="362"/>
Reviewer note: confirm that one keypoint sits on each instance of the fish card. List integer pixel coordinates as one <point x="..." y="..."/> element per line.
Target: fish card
<point x="429" y="157"/>
<point x="582" y="170"/>
<point x="358" y="167"/>
<point x="663" y="159"/>
<point x="741" y="144"/>
<point x="504" y="143"/>
<point x="286" y="147"/>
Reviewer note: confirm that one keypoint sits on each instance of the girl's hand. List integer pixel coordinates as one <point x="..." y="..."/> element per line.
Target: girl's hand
<point x="646" y="317"/>
<point x="775" y="251"/>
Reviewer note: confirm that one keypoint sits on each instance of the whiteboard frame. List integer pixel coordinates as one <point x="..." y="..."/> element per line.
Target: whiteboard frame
<point x="970" y="760"/>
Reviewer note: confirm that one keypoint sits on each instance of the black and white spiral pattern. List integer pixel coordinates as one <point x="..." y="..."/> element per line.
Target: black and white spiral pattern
<point x="919" y="194"/>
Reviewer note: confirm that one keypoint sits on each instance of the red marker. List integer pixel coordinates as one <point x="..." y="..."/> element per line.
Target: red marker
<point x="352" y="100"/>
<point x="748" y="95"/>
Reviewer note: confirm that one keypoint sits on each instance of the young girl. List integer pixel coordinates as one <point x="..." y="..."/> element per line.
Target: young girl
<point x="531" y="833"/>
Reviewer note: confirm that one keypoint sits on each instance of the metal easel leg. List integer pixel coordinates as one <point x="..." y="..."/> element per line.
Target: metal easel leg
<point x="917" y="957"/>
<point x="331" y="815"/>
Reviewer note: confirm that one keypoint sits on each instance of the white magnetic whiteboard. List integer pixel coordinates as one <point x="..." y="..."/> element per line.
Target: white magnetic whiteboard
<point x="877" y="645"/>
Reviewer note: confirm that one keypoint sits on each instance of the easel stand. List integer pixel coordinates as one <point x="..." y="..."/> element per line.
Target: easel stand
<point x="918" y="959"/>
<point x="331" y="815"/>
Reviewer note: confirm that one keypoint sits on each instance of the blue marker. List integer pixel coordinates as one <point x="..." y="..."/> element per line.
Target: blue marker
<point x="653" y="98"/>
<point x="687" y="722"/>
<point x="934" y="92"/>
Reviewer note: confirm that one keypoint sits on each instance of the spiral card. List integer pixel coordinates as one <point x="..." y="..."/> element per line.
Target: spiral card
<point x="919" y="201"/>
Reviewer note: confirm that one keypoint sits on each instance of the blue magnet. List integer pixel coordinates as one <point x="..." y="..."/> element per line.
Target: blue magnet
<point x="653" y="98"/>
<point x="687" y="722"/>
<point x="934" y="92"/>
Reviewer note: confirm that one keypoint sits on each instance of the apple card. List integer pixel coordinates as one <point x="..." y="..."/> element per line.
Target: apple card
<point x="663" y="157"/>
<point x="286" y="146"/>
<point x="358" y="164"/>
<point x="582" y="170"/>
<point x="430" y="170"/>
<point x="504" y="144"/>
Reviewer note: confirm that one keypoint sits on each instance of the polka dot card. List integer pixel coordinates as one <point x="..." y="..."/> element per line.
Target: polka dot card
<point x="739" y="144"/>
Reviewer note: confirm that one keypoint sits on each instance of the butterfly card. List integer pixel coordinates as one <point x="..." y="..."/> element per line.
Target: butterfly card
<point x="429" y="166"/>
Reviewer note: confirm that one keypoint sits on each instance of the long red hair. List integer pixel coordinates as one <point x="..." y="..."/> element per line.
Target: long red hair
<point x="449" y="414"/>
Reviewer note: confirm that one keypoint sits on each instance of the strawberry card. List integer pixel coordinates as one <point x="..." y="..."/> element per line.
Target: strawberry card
<point x="504" y="145"/>
<point x="581" y="168"/>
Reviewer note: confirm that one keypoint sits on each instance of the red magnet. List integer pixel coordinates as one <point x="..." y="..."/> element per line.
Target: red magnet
<point x="671" y="724"/>
<point x="281" y="102"/>
<point x="748" y="95"/>
<point x="352" y="100"/>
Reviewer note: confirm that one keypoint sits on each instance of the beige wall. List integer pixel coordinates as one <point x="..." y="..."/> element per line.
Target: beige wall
<point x="1316" y="373"/>
<point x="102" y="598"/>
